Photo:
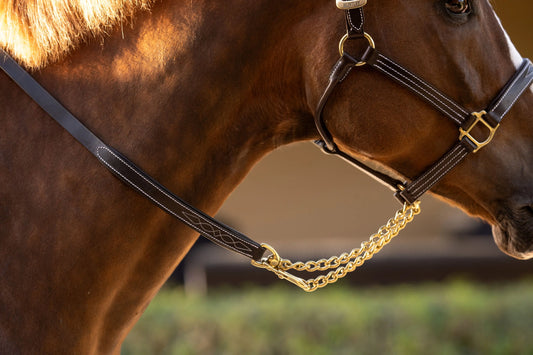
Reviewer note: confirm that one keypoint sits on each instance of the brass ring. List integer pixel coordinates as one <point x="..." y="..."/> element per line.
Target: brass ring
<point x="345" y="37"/>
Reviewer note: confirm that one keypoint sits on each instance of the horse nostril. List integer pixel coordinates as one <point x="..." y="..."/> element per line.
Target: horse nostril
<point x="522" y="211"/>
<point x="524" y="215"/>
<point x="529" y="209"/>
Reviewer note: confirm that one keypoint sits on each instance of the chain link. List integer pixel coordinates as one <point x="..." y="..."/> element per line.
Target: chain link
<point x="342" y="264"/>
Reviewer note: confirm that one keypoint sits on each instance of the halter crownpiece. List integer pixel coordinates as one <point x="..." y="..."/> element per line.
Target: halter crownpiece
<point x="350" y="4"/>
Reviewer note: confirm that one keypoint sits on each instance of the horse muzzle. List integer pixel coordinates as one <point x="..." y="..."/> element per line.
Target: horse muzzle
<point x="513" y="232"/>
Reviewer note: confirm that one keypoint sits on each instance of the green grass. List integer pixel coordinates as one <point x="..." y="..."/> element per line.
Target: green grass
<point x="450" y="318"/>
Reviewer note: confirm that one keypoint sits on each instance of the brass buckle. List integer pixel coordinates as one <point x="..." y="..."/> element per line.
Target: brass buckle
<point x="479" y="119"/>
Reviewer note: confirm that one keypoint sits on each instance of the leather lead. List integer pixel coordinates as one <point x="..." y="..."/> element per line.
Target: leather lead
<point x="128" y="172"/>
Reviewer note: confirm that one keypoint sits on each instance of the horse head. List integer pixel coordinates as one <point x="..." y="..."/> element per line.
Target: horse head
<point x="461" y="48"/>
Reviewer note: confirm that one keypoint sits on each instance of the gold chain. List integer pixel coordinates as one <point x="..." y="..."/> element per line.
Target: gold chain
<point x="344" y="263"/>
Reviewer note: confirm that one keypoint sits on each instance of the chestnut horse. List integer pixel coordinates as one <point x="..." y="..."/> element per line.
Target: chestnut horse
<point x="196" y="93"/>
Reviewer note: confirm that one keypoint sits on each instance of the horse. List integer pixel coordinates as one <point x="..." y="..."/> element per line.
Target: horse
<point x="196" y="93"/>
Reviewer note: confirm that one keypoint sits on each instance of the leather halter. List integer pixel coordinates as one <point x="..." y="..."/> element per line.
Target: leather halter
<point x="490" y="117"/>
<point x="227" y="237"/>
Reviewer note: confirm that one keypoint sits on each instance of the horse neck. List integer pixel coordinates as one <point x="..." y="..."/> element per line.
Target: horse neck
<point x="187" y="95"/>
<point x="211" y="84"/>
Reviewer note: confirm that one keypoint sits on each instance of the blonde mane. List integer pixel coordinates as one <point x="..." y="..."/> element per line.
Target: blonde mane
<point x="37" y="32"/>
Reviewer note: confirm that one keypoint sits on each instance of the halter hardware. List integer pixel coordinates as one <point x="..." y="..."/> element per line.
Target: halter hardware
<point x="337" y="266"/>
<point x="479" y="117"/>
<point x="350" y="4"/>
<point x="273" y="264"/>
<point x="490" y="117"/>
<point x="347" y="36"/>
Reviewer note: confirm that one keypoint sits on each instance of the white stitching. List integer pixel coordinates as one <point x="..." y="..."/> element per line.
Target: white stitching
<point x="442" y="97"/>
<point x="453" y="163"/>
<point x="163" y="192"/>
<point x="514" y="101"/>
<point x="428" y="92"/>
<point x="434" y="167"/>
<point x="507" y="92"/>
<point x="345" y="75"/>
<point x="455" y="119"/>
<point x="451" y="152"/>
<point x="439" y="174"/>
<point x="351" y="23"/>
<point x="453" y="103"/>
<point x="436" y="178"/>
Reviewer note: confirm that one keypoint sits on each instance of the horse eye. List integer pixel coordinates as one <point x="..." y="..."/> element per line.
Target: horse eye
<point x="458" y="6"/>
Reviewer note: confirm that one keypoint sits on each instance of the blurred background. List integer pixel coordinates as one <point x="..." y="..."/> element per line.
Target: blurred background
<point x="440" y="287"/>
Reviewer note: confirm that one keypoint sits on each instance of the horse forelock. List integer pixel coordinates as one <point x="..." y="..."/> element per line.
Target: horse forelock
<point x="37" y="32"/>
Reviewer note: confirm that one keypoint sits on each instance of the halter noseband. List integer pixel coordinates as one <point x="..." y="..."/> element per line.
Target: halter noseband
<point x="489" y="118"/>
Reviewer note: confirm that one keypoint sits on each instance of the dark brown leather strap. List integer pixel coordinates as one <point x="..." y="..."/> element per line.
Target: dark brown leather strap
<point x="355" y="21"/>
<point x="341" y="69"/>
<point x="508" y="96"/>
<point x="48" y="103"/>
<point x="128" y="172"/>
<point x="421" y="88"/>
<point x="144" y="184"/>
<point x="414" y="190"/>
<point x="492" y="117"/>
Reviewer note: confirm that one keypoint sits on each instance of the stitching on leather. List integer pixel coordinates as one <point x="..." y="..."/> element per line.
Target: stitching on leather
<point x="102" y="159"/>
<point x="506" y="93"/>
<point x="455" y="119"/>
<point x="429" y="183"/>
<point x="334" y="71"/>
<point x="442" y="97"/>
<point x="163" y="192"/>
<point x="516" y="99"/>
<point x="435" y="92"/>
<point x="351" y="22"/>
<point x="450" y="164"/>
<point x="335" y="68"/>
<point x="434" y="167"/>
<point x="345" y="75"/>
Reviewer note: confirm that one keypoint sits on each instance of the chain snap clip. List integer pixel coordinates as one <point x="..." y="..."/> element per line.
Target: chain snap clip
<point x="341" y="265"/>
<point x="273" y="263"/>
